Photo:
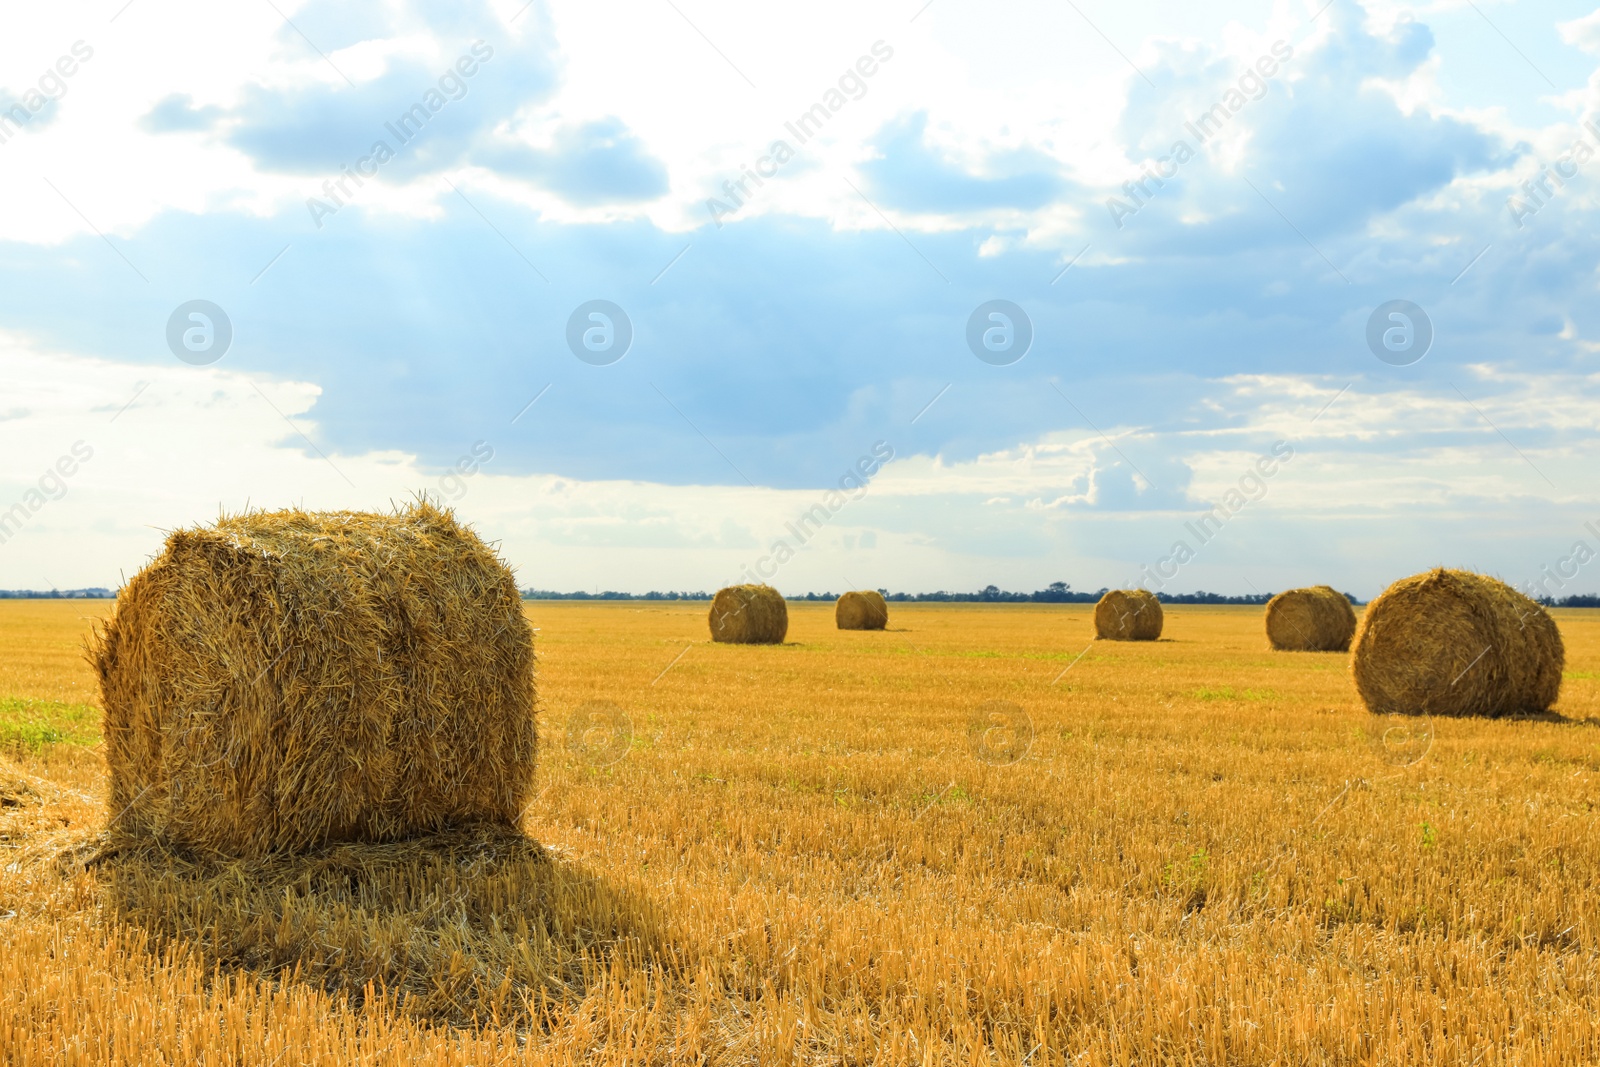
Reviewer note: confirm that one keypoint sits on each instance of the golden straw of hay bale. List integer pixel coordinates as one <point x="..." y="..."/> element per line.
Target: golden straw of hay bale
<point x="1315" y="619"/>
<point x="749" y="615"/>
<point x="864" y="609"/>
<point x="1128" y="615"/>
<point x="1450" y="642"/>
<point x="284" y="679"/>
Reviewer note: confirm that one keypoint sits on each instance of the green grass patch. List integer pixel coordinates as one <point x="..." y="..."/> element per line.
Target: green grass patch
<point x="1228" y="692"/>
<point x="990" y="653"/>
<point x="1580" y="676"/>
<point x="36" y="723"/>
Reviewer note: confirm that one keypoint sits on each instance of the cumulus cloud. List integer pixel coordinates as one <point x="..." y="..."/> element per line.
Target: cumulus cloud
<point x="1583" y="32"/>
<point x="1327" y="146"/>
<point x="923" y="521"/>
<point x="178" y="113"/>
<point x="588" y="163"/>
<point x="1220" y="317"/>
<point x="911" y="175"/>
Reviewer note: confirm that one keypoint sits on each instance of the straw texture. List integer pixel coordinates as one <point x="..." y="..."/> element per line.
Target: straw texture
<point x="284" y="679"/>
<point x="1315" y="619"/>
<point x="749" y="615"/>
<point x="864" y="609"/>
<point x="1449" y="642"/>
<point x="1128" y="615"/>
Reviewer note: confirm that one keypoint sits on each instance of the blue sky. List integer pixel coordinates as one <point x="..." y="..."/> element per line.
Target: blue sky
<point x="1181" y="328"/>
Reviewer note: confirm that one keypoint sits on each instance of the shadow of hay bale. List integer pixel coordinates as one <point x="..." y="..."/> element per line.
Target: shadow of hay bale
<point x="475" y="924"/>
<point x="1551" y="716"/>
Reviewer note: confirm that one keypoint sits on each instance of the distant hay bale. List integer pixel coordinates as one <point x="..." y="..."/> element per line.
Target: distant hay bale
<point x="285" y="679"/>
<point x="861" y="610"/>
<point x="1128" y="615"/>
<point x="1315" y="619"/>
<point x="749" y="615"/>
<point x="1449" y="642"/>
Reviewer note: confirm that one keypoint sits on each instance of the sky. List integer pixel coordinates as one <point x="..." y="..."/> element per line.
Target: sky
<point x="925" y="295"/>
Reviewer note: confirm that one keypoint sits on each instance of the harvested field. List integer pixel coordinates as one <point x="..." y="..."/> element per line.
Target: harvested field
<point x="1206" y="852"/>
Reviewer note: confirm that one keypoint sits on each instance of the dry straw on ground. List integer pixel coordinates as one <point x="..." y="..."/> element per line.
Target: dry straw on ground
<point x="1315" y="619"/>
<point x="285" y="679"/>
<point x="749" y="615"/>
<point x="861" y="610"/>
<point x="476" y="920"/>
<point x="1128" y="615"/>
<point x="1450" y="642"/>
<point x="798" y="863"/>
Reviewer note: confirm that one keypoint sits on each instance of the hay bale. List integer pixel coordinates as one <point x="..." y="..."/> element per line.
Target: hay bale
<point x="1128" y="615"/>
<point x="1316" y="619"/>
<point x="861" y="610"/>
<point x="1449" y="642"/>
<point x="285" y="679"/>
<point x="749" y="615"/>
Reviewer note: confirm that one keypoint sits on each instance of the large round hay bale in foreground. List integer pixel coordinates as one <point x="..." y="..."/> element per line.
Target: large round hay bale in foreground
<point x="863" y="609"/>
<point x="749" y="615"/>
<point x="1315" y="619"/>
<point x="1456" y="643"/>
<point x="1128" y="615"/>
<point x="285" y="679"/>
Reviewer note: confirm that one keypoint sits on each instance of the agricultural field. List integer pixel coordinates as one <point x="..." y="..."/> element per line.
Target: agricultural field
<point x="977" y="837"/>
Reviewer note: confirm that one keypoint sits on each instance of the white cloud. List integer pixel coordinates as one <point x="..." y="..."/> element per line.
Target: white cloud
<point x="171" y="445"/>
<point x="989" y="82"/>
<point x="1583" y="33"/>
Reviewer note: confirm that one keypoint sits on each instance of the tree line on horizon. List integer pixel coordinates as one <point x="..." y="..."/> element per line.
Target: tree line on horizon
<point x="1054" y="593"/>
